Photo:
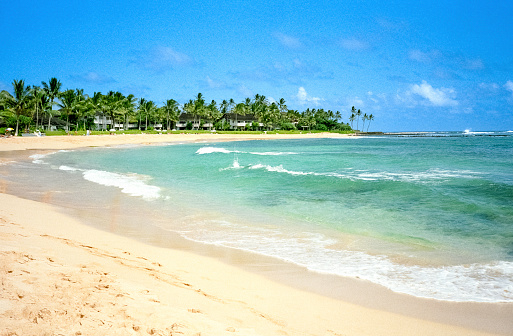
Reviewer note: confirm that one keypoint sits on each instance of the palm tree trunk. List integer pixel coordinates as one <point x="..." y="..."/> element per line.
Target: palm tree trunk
<point x="37" y="116"/>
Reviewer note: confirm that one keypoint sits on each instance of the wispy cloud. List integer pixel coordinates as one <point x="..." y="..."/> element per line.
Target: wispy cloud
<point x="509" y="86"/>
<point x="294" y="71"/>
<point x="92" y="77"/>
<point x="215" y="84"/>
<point x="436" y="97"/>
<point x="354" y="44"/>
<point x="137" y="90"/>
<point x="424" y="57"/>
<point x="161" y="58"/>
<point x="289" y="41"/>
<point x="489" y="86"/>
<point x="473" y="64"/>
<point x="303" y="97"/>
<point x="244" y="91"/>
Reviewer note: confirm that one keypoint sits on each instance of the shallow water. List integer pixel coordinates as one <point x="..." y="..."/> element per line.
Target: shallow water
<point x="427" y="216"/>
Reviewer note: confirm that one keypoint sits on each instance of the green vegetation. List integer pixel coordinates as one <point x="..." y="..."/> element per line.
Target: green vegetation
<point x="32" y="108"/>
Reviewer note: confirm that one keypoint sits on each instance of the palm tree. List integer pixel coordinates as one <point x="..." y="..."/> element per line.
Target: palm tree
<point x="351" y="119"/>
<point x="365" y="116"/>
<point x="140" y="109"/>
<point x="128" y="109"/>
<point x="358" y="114"/>
<point x="370" y="118"/>
<point x="96" y="103"/>
<point x="149" y="109"/>
<point x="172" y="111"/>
<point x="40" y="101"/>
<point x="213" y="113"/>
<point x="82" y="107"/>
<point x="199" y="108"/>
<point x="18" y="103"/>
<point x="52" y="90"/>
<point x="240" y="109"/>
<point x="66" y="105"/>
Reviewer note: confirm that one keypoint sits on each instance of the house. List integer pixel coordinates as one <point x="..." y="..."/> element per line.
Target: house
<point x="103" y="122"/>
<point x="193" y="121"/>
<point x="239" y="121"/>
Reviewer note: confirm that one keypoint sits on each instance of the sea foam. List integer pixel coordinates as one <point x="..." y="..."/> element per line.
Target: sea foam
<point x="366" y="175"/>
<point x="132" y="184"/>
<point x="210" y="150"/>
<point x="492" y="282"/>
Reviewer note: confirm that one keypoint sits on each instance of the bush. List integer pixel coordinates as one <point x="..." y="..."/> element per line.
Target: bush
<point x="288" y="127"/>
<point x="321" y="127"/>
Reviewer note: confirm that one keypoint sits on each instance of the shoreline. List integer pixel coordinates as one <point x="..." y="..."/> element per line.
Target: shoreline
<point x="369" y="299"/>
<point x="74" y="142"/>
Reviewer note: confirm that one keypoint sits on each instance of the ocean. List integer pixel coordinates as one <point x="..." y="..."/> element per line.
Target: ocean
<point x="424" y="214"/>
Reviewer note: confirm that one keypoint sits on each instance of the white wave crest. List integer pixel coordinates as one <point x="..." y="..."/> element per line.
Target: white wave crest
<point x="273" y="153"/>
<point x="38" y="158"/>
<point x="235" y="165"/>
<point x="278" y="169"/>
<point x="436" y="175"/>
<point x="210" y="150"/>
<point x="67" y="168"/>
<point x="133" y="184"/>
<point x="492" y="282"/>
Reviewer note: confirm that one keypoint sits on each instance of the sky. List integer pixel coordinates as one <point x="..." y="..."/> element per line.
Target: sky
<point x="413" y="65"/>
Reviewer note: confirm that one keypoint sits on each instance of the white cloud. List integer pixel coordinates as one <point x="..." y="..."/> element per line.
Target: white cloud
<point x="474" y="64"/>
<point x="289" y="41"/>
<point x="423" y="57"/>
<point x="304" y="97"/>
<point x="437" y="97"/>
<point x="244" y="91"/>
<point x="92" y="77"/>
<point x="489" y="86"/>
<point x="509" y="86"/>
<point x="215" y="84"/>
<point x="162" y="58"/>
<point x="354" y="44"/>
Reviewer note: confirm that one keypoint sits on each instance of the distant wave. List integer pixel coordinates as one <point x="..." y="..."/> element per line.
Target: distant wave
<point x="365" y="175"/>
<point x="475" y="282"/>
<point x="273" y="153"/>
<point x="279" y="169"/>
<point x="235" y="165"/>
<point x="210" y="150"/>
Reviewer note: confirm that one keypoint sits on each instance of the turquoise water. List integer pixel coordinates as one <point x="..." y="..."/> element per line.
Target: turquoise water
<point x="429" y="216"/>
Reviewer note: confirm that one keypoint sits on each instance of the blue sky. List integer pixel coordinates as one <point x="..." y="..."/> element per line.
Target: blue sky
<point x="425" y="65"/>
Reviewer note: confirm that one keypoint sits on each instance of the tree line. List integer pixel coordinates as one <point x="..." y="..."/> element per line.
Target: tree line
<point x="33" y="107"/>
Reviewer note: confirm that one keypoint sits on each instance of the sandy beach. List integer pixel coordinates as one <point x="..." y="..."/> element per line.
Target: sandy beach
<point x="71" y="142"/>
<point x="60" y="276"/>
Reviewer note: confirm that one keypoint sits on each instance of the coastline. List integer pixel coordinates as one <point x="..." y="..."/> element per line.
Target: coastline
<point x="74" y="142"/>
<point x="374" y="312"/>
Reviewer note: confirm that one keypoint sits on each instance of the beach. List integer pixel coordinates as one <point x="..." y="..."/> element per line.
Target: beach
<point x="60" y="276"/>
